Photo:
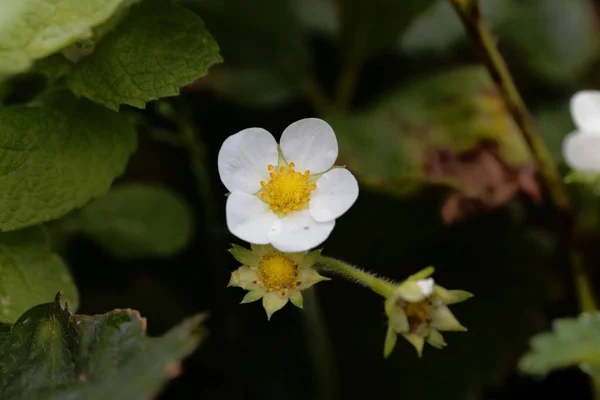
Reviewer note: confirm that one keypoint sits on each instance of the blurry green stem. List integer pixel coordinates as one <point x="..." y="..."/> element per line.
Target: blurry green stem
<point x="596" y="387"/>
<point x="469" y="13"/>
<point x="346" y="83"/>
<point x="197" y="161"/>
<point x="585" y="294"/>
<point x="320" y="101"/>
<point x="320" y="347"/>
<point x="378" y="285"/>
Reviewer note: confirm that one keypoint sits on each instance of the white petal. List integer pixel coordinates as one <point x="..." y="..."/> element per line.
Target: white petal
<point x="582" y="152"/>
<point x="585" y="111"/>
<point x="299" y="231"/>
<point x="336" y="191"/>
<point x="426" y="286"/>
<point x="311" y="144"/>
<point x="272" y="302"/>
<point x="244" y="158"/>
<point x="249" y="218"/>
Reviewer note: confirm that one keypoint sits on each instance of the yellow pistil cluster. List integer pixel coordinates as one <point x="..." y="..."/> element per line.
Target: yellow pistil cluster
<point x="417" y="313"/>
<point x="287" y="190"/>
<point x="278" y="272"/>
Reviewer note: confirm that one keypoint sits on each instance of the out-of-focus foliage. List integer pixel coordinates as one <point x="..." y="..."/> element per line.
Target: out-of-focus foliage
<point x="136" y="220"/>
<point x="51" y="354"/>
<point x="31" y="273"/>
<point x="33" y="29"/>
<point x="449" y="129"/>
<point x="572" y="342"/>
<point x="368" y="27"/>
<point x="557" y="40"/>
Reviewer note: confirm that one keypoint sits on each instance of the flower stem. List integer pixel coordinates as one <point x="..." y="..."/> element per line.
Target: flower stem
<point x="320" y="347"/>
<point x="469" y="13"/>
<point x="378" y="285"/>
<point x="585" y="293"/>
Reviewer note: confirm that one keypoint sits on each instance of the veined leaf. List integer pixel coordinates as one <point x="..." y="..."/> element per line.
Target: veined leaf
<point x="51" y="354"/>
<point x="57" y="157"/>
<point x="156" y="50"/>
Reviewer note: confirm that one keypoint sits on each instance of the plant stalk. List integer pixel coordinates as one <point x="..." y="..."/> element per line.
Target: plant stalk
<point x="470" y="14"/>
<point x="345" y="270"/>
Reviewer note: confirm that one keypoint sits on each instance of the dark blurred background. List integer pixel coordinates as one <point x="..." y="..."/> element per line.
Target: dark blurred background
<point x="507" y="250"/>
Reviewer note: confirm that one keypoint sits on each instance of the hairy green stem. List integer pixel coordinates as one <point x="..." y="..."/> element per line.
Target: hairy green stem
<point x="378" y="285"/>
<point x="469" y="13"/>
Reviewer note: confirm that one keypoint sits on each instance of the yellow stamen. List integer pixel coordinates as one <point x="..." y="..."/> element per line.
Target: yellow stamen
<point x="287" y="190"/>
<point x="277" y="272"/>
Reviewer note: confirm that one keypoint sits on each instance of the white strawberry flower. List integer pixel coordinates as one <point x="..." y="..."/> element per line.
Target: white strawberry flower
<point x="287" y="195"/>
<point x="581" y="148"/>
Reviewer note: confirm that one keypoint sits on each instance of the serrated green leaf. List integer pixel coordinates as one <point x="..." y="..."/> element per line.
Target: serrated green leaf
<point x="51" y="354"/>
<point x="31" y="273"/>
<point x="388" y="145"/>
<point x="57" y="157"/>
<point x="156" y="50"/>
<point x="572" y="342"/>
<point x="370" y="26"/>
<point x="137" y="220"/>
<point x="33" y="29"/>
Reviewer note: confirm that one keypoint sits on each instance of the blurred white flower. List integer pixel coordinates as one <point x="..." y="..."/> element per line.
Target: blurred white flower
<point x="273" y="276"/>
<point x="581" y="148"/>
<point x="287" y="195"/>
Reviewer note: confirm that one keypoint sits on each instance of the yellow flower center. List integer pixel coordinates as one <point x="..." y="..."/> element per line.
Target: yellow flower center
<point x="417" y="313"/>
<point x="277" y="272"/>
<point x="287" y="190"/>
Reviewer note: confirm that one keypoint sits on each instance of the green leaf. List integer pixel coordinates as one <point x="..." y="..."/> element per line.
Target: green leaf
<point x="572" y="342"/>
<point x="51" y="354"/>
<point x="137" y="220"/>
<point x="555" y="123"/>
<point x="155" y="51"/>
<point x="33" y="29"/>
<point x="391" y="146"/>
<point x="438" y="29"/>
<point x="252" y="87"/>
<point x="370" y="26"/>
<point x="266" y="55"/>
<point x="568" y="31"/>
<point x="57" y="157"/>
<point x="31" y="273"/>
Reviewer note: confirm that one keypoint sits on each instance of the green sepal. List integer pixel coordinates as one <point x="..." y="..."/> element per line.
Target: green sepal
<point x="244" y="256"/>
